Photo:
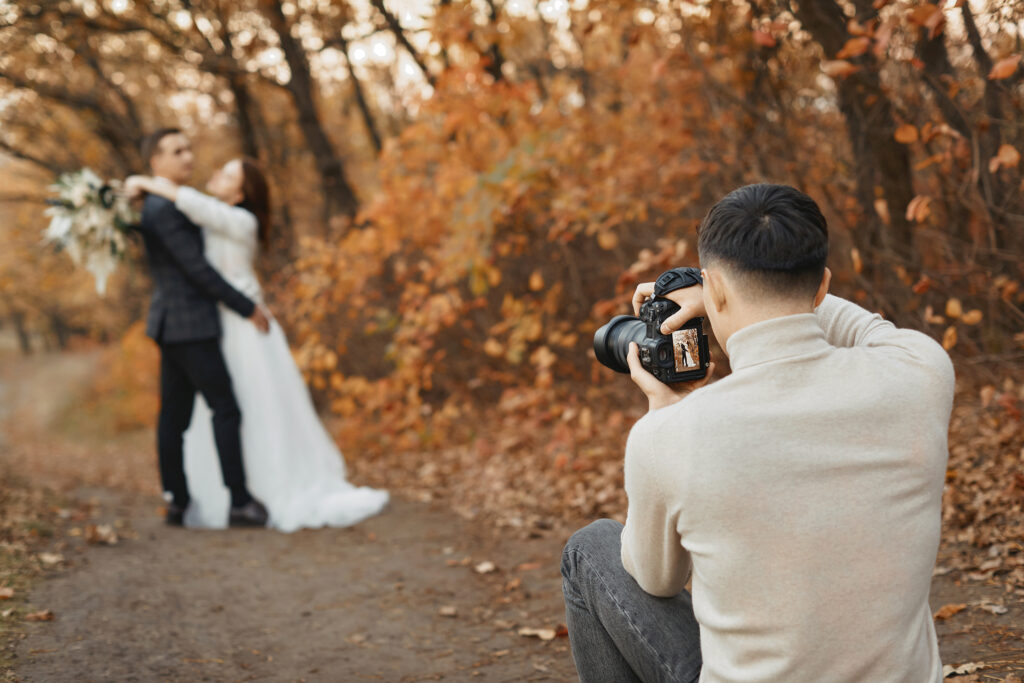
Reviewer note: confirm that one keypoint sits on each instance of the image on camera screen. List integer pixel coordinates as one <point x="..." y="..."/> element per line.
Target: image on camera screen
<point x="685" y="349"/>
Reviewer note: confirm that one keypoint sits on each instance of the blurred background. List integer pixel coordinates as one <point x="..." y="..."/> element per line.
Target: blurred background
<point x="465" y="190"/>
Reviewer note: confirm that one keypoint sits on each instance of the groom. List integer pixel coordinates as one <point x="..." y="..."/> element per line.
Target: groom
<point x="184" y="322"/>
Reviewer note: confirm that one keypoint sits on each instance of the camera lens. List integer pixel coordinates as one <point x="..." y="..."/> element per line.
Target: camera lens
<point x="611" y="341"/>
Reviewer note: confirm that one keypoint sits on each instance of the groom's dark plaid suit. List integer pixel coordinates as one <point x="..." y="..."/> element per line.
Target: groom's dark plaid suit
<point x="184" y="321"/>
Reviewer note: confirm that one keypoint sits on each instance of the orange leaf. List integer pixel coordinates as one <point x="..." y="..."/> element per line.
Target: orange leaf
<point x="492" y="347"/>
<point x="923" y="285"/>
<point x="972" y="317"/>
<point x="906" y="134"/>
<point x="946" y="611"/>
<point x="930" y="17"/>
<point x="838" y="68"/>
<point x="854" y="47"/>
<point x="607" y="240"/>
<point x="536" y="281"/>
<point x="954" y="309"/>
<point x="882" y="209"/>
<point x="949" y="338"/>
<point x="764" y="39"/>
<point x="858" y="265"/>
<point x="1004" y="68"/>
<point x="1006" y="157"/>
<point x="43" y="615"/>
<point x="918" y="209"/>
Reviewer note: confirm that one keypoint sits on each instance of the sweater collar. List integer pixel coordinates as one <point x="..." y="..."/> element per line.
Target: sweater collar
<point x="776" y="339"/>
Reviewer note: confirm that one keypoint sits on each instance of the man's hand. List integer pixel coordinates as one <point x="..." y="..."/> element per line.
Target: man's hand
<point x="259" y="319"/>
<point x="690" y="300"/>
<point x="659" y="394"/>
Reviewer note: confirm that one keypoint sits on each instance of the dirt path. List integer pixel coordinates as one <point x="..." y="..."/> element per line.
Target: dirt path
<point x="405" y="596"/>
<point x="324" y="605"/>
<point x="397" y="598"/>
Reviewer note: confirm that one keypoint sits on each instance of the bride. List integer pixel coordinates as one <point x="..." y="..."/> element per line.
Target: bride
<point x="291" y="463"/>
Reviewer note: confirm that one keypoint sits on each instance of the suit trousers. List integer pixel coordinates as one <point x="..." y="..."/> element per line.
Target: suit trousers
<point x="187" y="368"/>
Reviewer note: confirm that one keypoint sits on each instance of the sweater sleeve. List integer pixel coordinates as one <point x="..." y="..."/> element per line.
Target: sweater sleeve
<point x="171" y="228"/>
<point x="652" y="551"/>
<point x="210" y="213"/>
<point x="846" y="324"/>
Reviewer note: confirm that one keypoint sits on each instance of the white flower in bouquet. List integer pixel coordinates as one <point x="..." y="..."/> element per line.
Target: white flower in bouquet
<point x="90" y="219"/>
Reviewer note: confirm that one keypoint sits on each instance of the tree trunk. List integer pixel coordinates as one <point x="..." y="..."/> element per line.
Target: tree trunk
<point x="881" y="162"/>
<point x="339" y="197"/>
<point x="24" y="340"/>
<point x="244" y="114"/>
<point x="357" y="89"/>
<point x="403" y="40"/>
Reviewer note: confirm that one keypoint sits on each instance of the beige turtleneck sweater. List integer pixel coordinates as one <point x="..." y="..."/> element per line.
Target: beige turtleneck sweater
<point x="804" y="490"/>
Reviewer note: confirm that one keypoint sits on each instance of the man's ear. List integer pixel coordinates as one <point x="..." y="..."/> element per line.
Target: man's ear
<point x="716" y="289"/>
<point x="826" y="280"/>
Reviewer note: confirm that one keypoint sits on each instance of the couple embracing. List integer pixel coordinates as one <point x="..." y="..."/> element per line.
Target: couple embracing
<point x="238" y="438"/>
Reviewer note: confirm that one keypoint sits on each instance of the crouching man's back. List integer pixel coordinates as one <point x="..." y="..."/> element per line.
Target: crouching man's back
<point x="803" y="490"/>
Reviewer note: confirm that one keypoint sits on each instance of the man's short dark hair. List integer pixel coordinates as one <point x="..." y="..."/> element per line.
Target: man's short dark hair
<point x="151" y="143"/>
<point x="773" y="236"/>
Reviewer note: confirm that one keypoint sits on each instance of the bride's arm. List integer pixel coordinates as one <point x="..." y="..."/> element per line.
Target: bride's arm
<point x="232" y="222"/>
<point x="208" y="212"/>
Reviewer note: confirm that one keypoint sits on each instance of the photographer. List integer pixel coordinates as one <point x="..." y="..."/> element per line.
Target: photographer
<point x="802" y="492"/>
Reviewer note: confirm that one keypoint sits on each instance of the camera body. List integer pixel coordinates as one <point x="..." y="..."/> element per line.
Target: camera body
<point x="678" y="357"/>
<point x="682" y="356"/>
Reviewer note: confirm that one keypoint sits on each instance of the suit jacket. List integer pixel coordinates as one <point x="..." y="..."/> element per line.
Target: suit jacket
<point x="187" y="288"/>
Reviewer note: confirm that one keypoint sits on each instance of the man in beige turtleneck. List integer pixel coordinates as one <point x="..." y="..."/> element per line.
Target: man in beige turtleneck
<point x="801" y="493"/>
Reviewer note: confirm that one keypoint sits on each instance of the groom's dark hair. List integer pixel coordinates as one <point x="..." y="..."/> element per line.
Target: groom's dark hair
<point x="151" y="143"/>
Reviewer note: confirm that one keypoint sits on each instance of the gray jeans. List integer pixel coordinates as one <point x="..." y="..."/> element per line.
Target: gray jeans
<point x="617" y="631"/>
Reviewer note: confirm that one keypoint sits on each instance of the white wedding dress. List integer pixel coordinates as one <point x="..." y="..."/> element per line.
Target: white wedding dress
<point x="291" y="463"/>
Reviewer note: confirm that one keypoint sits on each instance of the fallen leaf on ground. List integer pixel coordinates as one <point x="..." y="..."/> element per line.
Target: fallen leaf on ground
<point x="448" y="611"/>
<point x="42" y="615"/>
<point x="946" y="611"/>
<point x="542" y="633"/>
<point x="103" y="533"/>
<point x="992" y="607"/>
<point x="528" y="566"/>
<point x="968" y="668"/>
<point x="485" y="567"/>
<point x="6" y="593"/>
<point x="50" y="559"/>
<point x="7" y="612"/>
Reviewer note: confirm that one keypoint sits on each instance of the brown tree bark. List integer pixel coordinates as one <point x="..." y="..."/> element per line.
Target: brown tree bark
<point x="881" y="162"/>
<point x="357" y="90"/>
<point x="339" y="197"/>
<point x="396" y="28"/>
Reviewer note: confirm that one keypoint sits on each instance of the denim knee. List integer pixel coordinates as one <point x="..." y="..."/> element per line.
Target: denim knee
<point x="599" y="540"/>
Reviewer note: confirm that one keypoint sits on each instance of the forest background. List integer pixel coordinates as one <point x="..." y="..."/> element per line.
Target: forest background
<point x="464" y="190"/>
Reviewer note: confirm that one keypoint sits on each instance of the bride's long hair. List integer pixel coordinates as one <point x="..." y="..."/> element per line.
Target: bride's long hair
<point x="256" y="196"/>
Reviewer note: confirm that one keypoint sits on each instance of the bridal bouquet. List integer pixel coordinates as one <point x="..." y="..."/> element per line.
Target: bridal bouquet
<point x="90" y="219"/>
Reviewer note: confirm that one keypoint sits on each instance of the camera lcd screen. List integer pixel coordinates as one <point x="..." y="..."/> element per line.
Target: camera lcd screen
<point x="685" y="349"/>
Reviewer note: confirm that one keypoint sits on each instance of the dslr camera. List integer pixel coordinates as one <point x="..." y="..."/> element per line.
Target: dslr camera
<point x="681" y="356"/>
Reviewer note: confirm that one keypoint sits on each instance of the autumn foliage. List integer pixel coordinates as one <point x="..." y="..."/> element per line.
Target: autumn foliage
<point x="447" y="241"/>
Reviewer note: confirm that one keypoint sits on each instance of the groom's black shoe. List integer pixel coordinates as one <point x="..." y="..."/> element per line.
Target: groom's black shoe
<point x="175" y="515"/>
<point x="252" y="513"/>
